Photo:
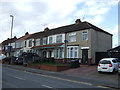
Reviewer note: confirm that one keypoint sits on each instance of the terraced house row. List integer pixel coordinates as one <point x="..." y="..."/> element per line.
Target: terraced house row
<point x="80" y="40"/>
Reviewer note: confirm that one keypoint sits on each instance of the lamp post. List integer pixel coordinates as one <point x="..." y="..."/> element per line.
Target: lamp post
<point x="11" y="24"/>
<point x="65" y="49"/>
<point x="10" y="52"/>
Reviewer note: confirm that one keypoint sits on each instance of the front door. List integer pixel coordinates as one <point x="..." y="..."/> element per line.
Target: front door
<point x="84" y="56"/>
<point x="50" y="54"/>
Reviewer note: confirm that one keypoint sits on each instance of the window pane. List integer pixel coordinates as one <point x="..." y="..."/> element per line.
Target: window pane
<point x="114" y="61"/>
<point x="59" y="39"/>
<point x="71" y="52"/>
<point x="105" y="62"/>
<point x="44" y="41"/>
<point x="68" y="52"/>
<point x="37" y="42"/>
<point x="50" y="40"/>
<point x="72" y="37"/>
<point x="76" y="52"/>
<point x="30" y="43"/>
<point x="25" y="43"/>
<point x="84" y="36"/>
<point x="60" y="53"/>
<point x="57" y="54"/>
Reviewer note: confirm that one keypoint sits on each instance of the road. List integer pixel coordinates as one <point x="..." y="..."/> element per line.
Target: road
<point x="12" y="78"/>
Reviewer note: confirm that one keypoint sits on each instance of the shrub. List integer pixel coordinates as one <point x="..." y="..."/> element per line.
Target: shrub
<point x="7" y="59"/>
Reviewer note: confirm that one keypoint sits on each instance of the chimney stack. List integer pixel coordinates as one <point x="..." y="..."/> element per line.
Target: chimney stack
<point x="26" y="33"/>
<point x="46" y="29"/>
<point x="77" y="21"/>
<point x="15" y="37"/>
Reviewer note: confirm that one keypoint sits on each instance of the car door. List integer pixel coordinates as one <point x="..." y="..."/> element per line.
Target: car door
<point x="115" y="64"/>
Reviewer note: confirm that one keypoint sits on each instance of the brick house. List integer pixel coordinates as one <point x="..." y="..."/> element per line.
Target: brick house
<point x="19" y="45"/>
<point x="76" y="41"/>
<point x="5" y="44"/>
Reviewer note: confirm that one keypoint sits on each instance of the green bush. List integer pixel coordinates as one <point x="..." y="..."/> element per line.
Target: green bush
<point x="7" y="59"/>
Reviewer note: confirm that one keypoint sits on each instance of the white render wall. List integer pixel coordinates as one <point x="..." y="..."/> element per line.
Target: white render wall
<point x="27" y="45"/>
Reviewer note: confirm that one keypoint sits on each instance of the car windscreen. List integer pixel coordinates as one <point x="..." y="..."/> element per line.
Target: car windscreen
<point x="105" y="62"/>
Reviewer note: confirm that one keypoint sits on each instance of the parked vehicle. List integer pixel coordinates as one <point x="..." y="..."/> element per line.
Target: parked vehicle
<point x="19" y="60"/>
<point x="108" y="65"/>
<point x="29" y="56"/>
<point x="2" y="56"/>
<point x="119" y="69"/>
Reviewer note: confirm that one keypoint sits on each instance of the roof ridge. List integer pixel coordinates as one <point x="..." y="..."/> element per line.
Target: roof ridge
<point x="97" y="28"/>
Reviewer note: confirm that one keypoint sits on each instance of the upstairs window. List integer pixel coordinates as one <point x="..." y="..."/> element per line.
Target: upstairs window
<point x="37" y="42"/>
<point x="50" y="40"/>
<point x="72" y="37"/>
<point x="59" y="39"/>
<point x="25" y="43"/>
<point x="84" y="35"/>
<point x="30" y="43"/>
<point x="44" y="41"/>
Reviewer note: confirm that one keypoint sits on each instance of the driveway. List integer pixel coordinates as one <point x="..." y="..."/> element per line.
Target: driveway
<point x="90" y="71"/>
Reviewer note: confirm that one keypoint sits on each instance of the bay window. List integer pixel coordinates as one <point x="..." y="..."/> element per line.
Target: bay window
<point x="59" y="53"/>
<point x="72" y="52"/>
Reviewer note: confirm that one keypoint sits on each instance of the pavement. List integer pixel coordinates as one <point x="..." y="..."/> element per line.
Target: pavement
<point x="87" y="74"/>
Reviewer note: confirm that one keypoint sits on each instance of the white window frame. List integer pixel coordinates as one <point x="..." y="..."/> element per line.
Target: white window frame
<point x="30" y="43"/>
<point x="50" y="40"/>
<point x="84" y="35"/>
<point x="71" y="50"/>
<point x="59" y="53"/>
<point x="44" y="41"/>
<point x="37" y="42"/>
<point x="59" y="38"/>
<point x="25" y="43"/>
<point x="72" y="37"/>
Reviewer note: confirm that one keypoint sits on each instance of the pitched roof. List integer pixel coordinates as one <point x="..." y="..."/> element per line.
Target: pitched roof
<point x="66" y="29"/>
<point x="36" y="35"/>
<point x="24" y="37"/>
<point x="6" y="42"/>
<point x="116" y="48"/>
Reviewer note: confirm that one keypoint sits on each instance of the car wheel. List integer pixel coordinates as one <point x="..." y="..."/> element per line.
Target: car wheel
<point x="113" y="71"/>
<point x="99" y="72"/>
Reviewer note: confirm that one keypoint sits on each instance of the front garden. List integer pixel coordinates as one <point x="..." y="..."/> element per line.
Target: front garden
<point x="41" y="63"/>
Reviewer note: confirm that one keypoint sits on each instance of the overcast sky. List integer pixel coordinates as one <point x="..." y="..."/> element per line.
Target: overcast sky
<point x="34" y="15"/>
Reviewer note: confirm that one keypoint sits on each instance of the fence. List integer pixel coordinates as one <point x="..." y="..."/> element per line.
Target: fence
<point x="101" y="55"/>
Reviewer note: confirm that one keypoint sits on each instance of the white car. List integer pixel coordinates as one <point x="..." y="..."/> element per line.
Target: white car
<point x="119" y="69"/>
<point x="108" y="65"/>
<point x="2" y="56"/>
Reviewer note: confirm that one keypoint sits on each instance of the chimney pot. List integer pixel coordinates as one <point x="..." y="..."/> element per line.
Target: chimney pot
<point x="77" y="21"/>
<point x="46" y="29"/>
<point x="26" y="33"/>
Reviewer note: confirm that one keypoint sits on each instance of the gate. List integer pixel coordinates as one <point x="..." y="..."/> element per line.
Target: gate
<point x="101" y="55"/>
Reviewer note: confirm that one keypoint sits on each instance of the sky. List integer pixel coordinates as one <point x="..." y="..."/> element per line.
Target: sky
<point x="35" y="15"/>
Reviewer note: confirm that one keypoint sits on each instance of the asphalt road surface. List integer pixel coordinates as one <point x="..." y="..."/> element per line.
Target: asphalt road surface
<point x="12" y="78"/>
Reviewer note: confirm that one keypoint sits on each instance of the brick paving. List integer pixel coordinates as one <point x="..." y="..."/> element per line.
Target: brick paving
<point x="82" y="70"/>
